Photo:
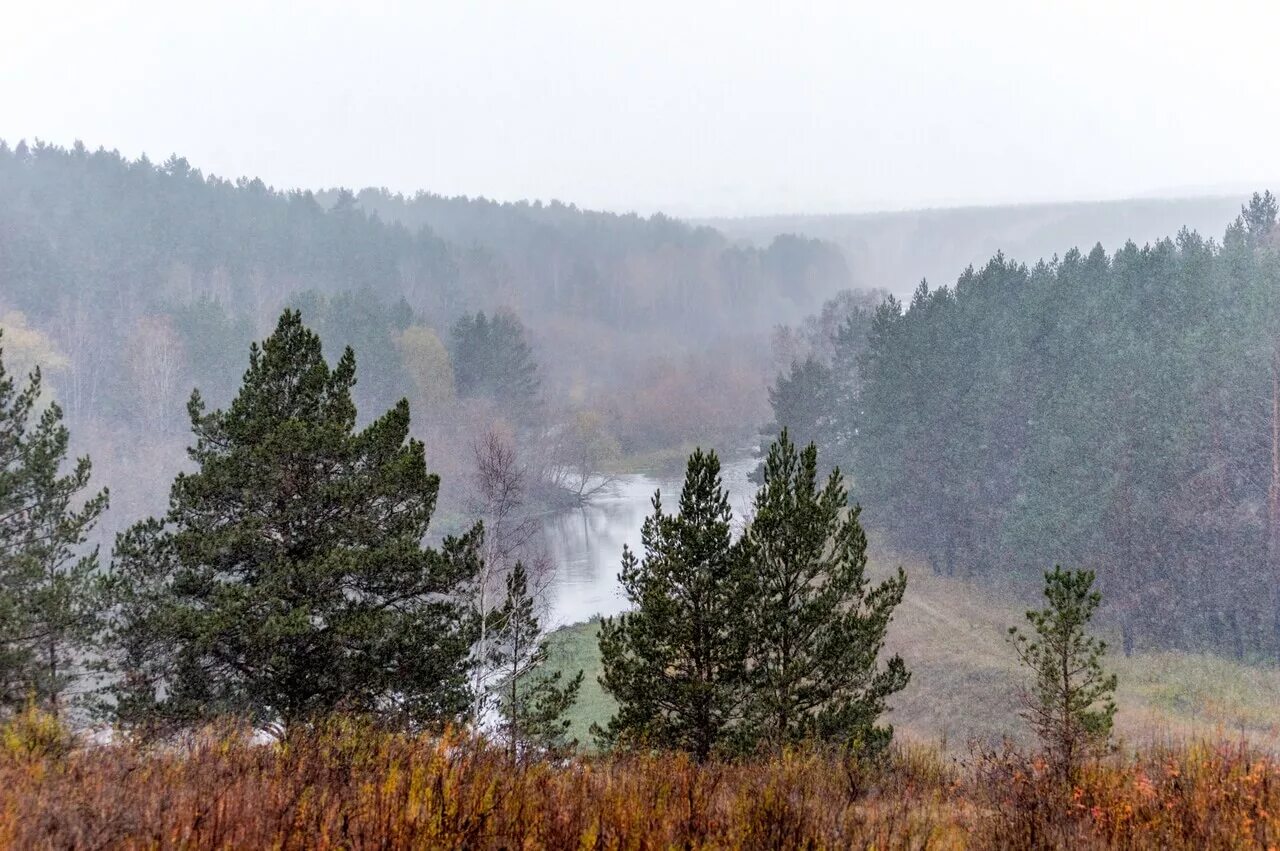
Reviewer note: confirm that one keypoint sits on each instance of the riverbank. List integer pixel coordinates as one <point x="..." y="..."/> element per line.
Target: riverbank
<point x="667" y="462"/>
<point x="585" y="543"/>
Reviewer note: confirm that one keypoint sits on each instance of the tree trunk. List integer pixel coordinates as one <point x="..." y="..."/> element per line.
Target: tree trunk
<point x="54" y="703"/>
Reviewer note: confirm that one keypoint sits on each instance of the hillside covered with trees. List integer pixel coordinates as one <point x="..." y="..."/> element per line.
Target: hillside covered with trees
<point x="132" y="282"/>
<point x="1117" y="409"/>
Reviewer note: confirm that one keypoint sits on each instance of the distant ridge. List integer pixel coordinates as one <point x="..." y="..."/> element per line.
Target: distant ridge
<point x="895" y="250"/>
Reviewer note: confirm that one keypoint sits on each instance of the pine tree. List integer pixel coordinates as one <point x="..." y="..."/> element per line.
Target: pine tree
<point x="1070" y="704"/>
<point x="816" y="623"/>
<point x="53" y="598"/>
<point x="288" y="577"/>
<point x="492" y="359"/>
<point x="675" y="662"/>
<point x="803" y="403"/>
<point x="532" y="701"/>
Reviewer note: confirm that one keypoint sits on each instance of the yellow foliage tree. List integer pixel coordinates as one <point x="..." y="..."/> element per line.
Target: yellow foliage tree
<point x="26" y="348"/>
<point x="427" y="362"/>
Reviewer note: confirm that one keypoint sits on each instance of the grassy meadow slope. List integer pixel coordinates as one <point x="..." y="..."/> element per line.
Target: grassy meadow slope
<point x="965" y="680"/>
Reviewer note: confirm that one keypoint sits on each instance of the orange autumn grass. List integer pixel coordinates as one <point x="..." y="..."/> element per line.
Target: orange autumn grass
<point x="345" y="784"/>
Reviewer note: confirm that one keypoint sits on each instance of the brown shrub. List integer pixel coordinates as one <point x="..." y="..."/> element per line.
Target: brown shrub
<point x="348" y="785"/>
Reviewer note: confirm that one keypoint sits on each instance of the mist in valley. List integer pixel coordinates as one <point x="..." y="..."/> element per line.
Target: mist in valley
<point x="587" y="385"/>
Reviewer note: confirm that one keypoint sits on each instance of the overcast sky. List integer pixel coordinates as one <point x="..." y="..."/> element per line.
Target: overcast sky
<point x="698" y="108"/>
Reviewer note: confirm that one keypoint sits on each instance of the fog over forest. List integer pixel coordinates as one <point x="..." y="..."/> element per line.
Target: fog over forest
<point x="598" y="342"/>
<point x="571" y="427"/>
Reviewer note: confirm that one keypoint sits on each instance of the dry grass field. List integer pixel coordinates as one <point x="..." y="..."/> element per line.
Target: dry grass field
<point x="1195" y="767"/>
<point x="347" y="785"/>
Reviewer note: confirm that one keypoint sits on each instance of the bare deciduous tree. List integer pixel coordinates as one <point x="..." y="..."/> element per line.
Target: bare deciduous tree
<point x="510" y="535"/>
<point x="79" y="387"/>
<point x="582" y="453"/>
<point x="156" y="361"/>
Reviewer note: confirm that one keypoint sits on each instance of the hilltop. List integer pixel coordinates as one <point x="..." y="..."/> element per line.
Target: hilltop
<point x="895" y="250"/>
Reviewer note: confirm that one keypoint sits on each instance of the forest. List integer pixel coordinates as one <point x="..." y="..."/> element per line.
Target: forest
<point x="133" y="282"/>
<point x="284" y="625"/>
<point x="1111" y="409"/>
<point x="275" y="468"/>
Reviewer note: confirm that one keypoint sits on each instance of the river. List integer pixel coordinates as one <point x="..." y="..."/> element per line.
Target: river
<point x="585" y="544"/>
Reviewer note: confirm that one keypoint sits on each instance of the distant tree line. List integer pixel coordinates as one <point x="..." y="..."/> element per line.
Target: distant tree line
<point x="92" y="243"/>
<point x="623" y="269"/>
<point x="141" y="279"/>
<point x="1117" y="410"/>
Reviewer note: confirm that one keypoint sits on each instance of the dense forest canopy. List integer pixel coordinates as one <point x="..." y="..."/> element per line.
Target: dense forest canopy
<point x="133" y="282"/>
<point x="623" y="268"/>
<point x="80" y="227"/>
<point x="1115" y="410"/>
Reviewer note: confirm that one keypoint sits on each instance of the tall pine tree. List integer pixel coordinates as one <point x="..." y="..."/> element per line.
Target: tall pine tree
<point x="816" y="623"/>
<point x="803" y="403"/>
<point x="675" y="662"/>
<point x="53" y="598"/>
<point x="532" y="700"/>
<point x="492" y="359"/>
<point x="289" y="577"/>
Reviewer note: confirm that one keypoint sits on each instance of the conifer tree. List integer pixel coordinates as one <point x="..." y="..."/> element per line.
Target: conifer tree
<point x="1070" y="704"/>
<point x="53" y="598"/>
<point x="289" y="577"/>
<point x="803" y="403"/>
<point x="492" y="359"/>
<point x="532" y="701"/>
<point x="675" y="662"/>
<point x="816" y="623"/>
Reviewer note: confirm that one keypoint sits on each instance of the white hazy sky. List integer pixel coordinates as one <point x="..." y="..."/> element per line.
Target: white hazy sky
<point x="698" y="108"/>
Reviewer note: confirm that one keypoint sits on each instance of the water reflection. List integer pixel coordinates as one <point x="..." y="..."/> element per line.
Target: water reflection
<point x="585" y="544"/>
